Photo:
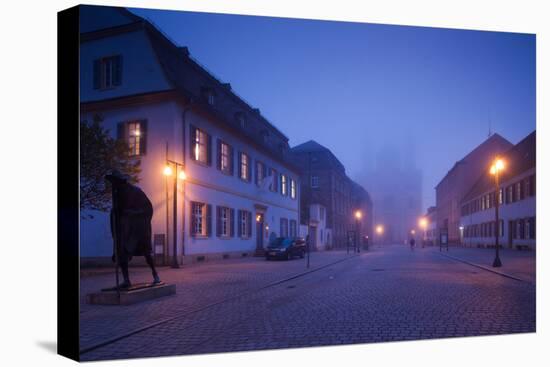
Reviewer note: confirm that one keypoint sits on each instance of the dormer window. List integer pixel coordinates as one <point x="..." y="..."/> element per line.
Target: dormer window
<point x="209" y="95"/>
<point x="107" y="72"/>
<point x="265" y="136"/>
<point x="241" y="120"/>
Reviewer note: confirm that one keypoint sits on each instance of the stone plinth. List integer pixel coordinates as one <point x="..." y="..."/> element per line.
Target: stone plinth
<point x="137" y="293"/>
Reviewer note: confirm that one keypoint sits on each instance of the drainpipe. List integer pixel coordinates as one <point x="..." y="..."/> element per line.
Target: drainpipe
<point x="184" y="140"/>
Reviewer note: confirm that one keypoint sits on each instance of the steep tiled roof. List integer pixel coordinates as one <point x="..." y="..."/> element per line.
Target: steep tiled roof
<point x="520" y="158"/>
<point x="493" y="139"/>
<point x="312" y="146"/>
<point x="191" y="79"/>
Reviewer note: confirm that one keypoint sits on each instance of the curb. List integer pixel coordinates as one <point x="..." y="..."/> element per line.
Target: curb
<point x="487" y="269"/>
<point x="146" y="327"/>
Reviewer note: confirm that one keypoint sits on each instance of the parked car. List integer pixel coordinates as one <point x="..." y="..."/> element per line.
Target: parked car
<point x="285" y="248"/>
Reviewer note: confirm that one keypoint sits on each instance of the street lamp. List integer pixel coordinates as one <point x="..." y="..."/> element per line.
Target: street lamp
<point x="496" y="167"/>
<point x="379" y="231"/>
<point x="182" y="176"/>
<point x="358" y="216"/>
<point x="423" y="223"/>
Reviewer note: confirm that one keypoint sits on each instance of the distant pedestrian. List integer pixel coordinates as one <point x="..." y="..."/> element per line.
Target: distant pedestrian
<point x="412" y="243"/>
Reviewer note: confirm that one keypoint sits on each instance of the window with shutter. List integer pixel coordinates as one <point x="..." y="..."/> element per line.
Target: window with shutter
<point x="199" y="219"/>
<point x="225" y="157"/>
<point x="274" y="180"/>
<point x="223" y="222"/>
<point x="200" y="145"/>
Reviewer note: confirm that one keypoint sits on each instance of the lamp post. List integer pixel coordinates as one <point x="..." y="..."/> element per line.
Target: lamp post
<point x="182" y="176"/>
<point x="496" y="167"/>
<point x="380" y="232"/>
<point x="423" y="224"/>
<point x="358" y="216"/>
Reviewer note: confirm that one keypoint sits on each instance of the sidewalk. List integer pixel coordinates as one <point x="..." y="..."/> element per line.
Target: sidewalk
<point x="197" y="286"/>
<point x="517" y="264"/>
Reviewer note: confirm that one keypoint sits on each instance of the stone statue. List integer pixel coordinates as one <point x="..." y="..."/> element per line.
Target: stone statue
<point x="130" y="225"/>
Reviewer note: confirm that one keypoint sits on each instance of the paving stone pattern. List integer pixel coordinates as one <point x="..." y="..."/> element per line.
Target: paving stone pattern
<point x="388" y="294"/>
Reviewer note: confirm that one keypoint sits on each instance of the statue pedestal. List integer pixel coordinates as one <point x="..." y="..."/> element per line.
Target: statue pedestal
<point x="136" y="293"/>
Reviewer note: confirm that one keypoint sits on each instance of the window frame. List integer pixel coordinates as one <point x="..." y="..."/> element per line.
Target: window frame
<point x="199" y="219"/>
<point x="201" y="143"/>
<point x="284" y="184"/>
<point x="293" y="189"/>
<point x="244" y="167"/>
<point x="314" y="179"/>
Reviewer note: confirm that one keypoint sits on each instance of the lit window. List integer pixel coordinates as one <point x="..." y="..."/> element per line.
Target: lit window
<point x="292" y="189"/>
<point x="200" y="146"/>
<point x="244" y="167"/>
<point x="225" y="160"/>
<point x="134" y="138"/>
<point x="284" y="185"/>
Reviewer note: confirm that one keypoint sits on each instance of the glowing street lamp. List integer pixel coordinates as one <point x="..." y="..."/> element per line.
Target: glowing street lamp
<point x="497" y="166"/>
<point x="379" y="232"/>
<point x="168" y="171"/>
<point x="423" y="224"/>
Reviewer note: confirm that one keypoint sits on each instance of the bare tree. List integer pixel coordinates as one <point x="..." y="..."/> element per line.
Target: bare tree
<point x="99" y="155"/>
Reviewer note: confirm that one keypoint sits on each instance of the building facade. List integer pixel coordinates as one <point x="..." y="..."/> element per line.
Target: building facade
<point x="459" y="180"/>
<point x="240" y="188"/>
<point x="318" y="230"/>
<point x="325" y="183"/>
<point x="517" y="202"/>
<point x="431" y="226"/>
<point x="361" y="201"/>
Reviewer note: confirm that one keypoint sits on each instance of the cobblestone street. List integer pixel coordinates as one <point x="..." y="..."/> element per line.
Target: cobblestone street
<point x="387" y="294"/>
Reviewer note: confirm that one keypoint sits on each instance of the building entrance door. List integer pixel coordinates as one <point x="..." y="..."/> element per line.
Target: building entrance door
<point x="259" y="234"/>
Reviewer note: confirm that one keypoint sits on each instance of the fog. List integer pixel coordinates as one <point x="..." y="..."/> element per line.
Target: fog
<point x="397" y="105"/>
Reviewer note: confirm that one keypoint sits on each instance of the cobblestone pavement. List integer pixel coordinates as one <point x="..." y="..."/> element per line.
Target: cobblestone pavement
<point x="388" y="294"/>
<point x="520" y="264"/>
<point x="197" y="286"/>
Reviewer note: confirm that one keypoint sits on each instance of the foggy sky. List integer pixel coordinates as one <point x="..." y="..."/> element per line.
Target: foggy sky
<point x="356" y="88"/>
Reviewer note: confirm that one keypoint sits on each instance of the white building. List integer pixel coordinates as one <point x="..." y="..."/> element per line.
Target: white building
<point x="517" y="198"/>
<point x="320" y="234"/>
<point x="240" y="188"/>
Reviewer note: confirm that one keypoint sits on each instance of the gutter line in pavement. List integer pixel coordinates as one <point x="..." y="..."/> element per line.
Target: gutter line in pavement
<point x="486" y="268"/>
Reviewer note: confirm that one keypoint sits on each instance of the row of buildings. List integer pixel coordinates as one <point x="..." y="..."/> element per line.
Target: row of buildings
<point x="244" y="183"/>
<point x="466" y="197"/>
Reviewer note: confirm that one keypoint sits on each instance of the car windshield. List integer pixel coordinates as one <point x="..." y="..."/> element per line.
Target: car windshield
<point x="280" y="242"/>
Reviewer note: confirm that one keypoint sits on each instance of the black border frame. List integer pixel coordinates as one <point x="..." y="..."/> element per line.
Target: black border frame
<point x="68" y="265"/>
